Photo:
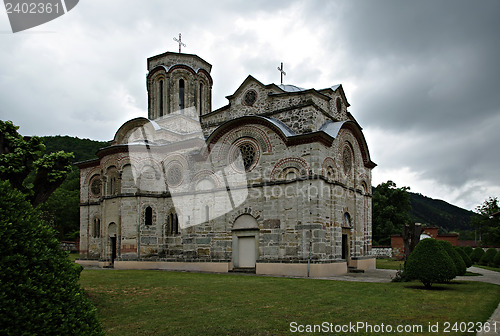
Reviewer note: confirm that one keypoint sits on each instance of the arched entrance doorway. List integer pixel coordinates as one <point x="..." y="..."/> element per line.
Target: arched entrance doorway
<point x="245" y="242"/>
<point x="112" y="231"/>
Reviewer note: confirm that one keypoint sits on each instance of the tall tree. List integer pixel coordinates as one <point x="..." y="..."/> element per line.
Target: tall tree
<point x="28" y="170"/>
<point x="487" y="225"/>
<point x="391" y="207"/>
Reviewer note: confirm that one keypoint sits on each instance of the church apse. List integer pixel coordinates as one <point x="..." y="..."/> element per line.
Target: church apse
<point x="261" y="185"/>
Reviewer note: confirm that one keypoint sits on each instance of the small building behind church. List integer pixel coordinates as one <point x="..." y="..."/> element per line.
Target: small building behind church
<point x="278" y="181"/>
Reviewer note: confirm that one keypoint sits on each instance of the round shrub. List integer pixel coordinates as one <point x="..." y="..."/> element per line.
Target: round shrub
<point x="496" y="261"/>
<point x="39" y="290"/>
<point x="429" y="263"/>
<point x="465" y="257"/>
<point x="476" y="255"/>
<point x="457" y="259"/>
<point x="468" y="250"/>
<point x="488" y="257"/>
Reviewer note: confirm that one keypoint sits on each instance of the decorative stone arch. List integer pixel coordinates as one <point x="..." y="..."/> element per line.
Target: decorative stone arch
<point x="95" y="229"/>
<point x="348" y="158"/>
<point x="223" y="138"/>
<point x="172" y="226"/>
<point x="157" y="83"/>
<point x="95" y="186"/>
<point x="112" y="181"/>
<point x="284" y="166"/>
<point x="150" y="178"/>
<point x="128" y="184"/>
<point x="205" y="175"/>
<point x="330" y="169"/>
<point x="148" y="216"/>
<point x="175" y="167"/>
<point x="245" y="245"/>
<point x="244" y="154"/>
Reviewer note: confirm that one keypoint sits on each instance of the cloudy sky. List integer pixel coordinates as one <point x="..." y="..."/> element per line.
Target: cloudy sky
<point x="422" y="77"/>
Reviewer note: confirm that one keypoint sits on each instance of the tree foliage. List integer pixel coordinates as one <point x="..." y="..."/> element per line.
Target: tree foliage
<point x="391" y="207"/>
<point x="488" y="257"/>
<point x="465" y="257"/>
<point x="429" y="263"/>
<point x="487" y="225"/>
<point x="27" y="168"/>
<point x="39" y="290"/>
<point x="459" y="263"/>
<point x="476" y="255"/>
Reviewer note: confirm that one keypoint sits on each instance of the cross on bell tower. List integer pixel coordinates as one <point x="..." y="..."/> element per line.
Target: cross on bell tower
<point x="282" y="72"/>
<point x="180" y="42"/>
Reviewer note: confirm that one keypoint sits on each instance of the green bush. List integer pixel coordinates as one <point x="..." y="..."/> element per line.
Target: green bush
<point x="429" y="263"/>
<point x="476" y="255"/>
<point x="496" y="261"/>
<point x="465" y="257"/>
<point x="468" y="250"/>
<point x="457" y="259"/>
<point x="488" y="257"/>
<point x="39" y="290"/>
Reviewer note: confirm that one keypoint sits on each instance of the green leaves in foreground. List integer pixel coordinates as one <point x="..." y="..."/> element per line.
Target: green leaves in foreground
<point x="39" y="290"/>
<point x="429" y="263"/>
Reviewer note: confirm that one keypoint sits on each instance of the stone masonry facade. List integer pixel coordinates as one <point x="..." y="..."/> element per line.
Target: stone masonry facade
<point x="278" y="179"/>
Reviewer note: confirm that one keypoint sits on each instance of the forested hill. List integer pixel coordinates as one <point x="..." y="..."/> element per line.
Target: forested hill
<point x="83" y="149"/>
<point x="433" y="212"/>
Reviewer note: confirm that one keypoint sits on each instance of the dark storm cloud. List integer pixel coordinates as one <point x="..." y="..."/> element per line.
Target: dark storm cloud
<point x="421" y="75"/>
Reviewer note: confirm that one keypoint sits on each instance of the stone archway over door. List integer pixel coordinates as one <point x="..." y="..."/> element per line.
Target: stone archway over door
<point x="245" y="242"/>
<point x="112" y="230"/>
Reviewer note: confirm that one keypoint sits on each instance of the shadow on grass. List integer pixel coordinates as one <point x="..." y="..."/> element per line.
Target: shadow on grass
<point x="435" y="287"/>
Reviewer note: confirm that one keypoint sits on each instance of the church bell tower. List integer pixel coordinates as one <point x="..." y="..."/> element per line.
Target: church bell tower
<point x="178" y="83"/>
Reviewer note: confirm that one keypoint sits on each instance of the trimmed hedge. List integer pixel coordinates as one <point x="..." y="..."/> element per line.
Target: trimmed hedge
<point x="39" y="289"/>
<point x="465" y="257"/>
<point x="496" y="261"/>
<point x="488" y="257"/>
<point x="476" y="255"/>
<point x="429" y="263"/>
<point x="468" y="250"/>
<point x="457" y="259"/>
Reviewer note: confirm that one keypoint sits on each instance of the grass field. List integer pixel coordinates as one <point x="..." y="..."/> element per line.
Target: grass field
<point x="177" y="303"/>
<point x="390" y="264"/>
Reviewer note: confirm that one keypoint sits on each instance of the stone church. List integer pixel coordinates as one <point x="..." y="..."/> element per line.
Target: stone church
<point x="278" y="181"/>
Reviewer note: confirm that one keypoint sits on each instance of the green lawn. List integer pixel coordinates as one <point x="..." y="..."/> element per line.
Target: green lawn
<point x="390" y="264"/>
<point x="179" y="303"/>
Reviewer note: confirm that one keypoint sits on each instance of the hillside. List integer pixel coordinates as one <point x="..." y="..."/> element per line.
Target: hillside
<point x="439" y="213"/>
<point x="83" y="149"/>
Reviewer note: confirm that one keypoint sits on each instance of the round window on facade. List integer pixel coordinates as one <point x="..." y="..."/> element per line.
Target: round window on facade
<point x="250" y="97"/>
<point x="95" y="187"/>
<point x="174" y="174"/>
<point x="244" y="155"/>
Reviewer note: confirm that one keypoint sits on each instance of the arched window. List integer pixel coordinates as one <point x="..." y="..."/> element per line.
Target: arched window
<point x="339" y="105"/>
<point x="112" y="186"/>
<point x="148" y="216"/>
<point x="173" y="224"/>
<point x="201" y="98"/>
<point x="161" y="98"/>
<point x="96" y="229"/>
<point x="181" y="94"/>
<point x="347" y="220"/>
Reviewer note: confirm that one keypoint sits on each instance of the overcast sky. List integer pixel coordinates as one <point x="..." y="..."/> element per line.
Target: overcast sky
<point x="422" y="77"/>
